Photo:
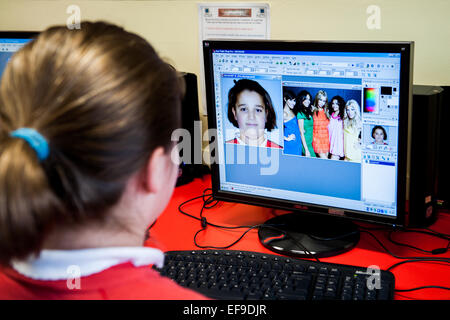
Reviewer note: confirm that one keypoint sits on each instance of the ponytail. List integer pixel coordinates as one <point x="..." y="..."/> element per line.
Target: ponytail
<point x="27" y="205"/>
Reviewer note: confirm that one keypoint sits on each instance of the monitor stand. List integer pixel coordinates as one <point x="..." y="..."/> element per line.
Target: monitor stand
<point x="308" y="236"/>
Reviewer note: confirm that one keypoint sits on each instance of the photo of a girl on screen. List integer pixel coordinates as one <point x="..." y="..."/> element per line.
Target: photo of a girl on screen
<point x="250" y="109"/>
<point x="292" y="138"/>
<point x="352" y="131"/>
<point x="321" y="141"/>
<point x="379" y="135"/>
<point x="305" y="122"/>
<point x="336" y="114"/>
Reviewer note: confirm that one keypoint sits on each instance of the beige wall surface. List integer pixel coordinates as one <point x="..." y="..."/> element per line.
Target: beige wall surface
<point x="172" y="25"/>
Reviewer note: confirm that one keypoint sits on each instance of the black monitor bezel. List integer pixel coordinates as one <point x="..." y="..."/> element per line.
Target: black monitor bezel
<point x="405" y="100"/>
<point x="18" y="34"/>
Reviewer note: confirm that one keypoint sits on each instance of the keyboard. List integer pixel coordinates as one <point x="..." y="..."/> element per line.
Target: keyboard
<point x="245" y="275"/>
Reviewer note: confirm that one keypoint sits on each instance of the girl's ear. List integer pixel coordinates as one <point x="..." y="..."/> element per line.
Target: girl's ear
<point x="154" y="175"/>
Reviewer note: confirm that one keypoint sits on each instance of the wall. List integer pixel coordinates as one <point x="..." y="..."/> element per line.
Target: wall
<point x="172" y="26"/>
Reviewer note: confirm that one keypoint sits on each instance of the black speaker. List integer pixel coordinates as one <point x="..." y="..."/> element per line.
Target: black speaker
<point x="424" y="156"/>
<point x="444" y="139"/>
<point x="192" y="166"/>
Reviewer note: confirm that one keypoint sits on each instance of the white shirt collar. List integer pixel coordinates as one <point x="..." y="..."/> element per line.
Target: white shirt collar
<point x="59" y="264"/>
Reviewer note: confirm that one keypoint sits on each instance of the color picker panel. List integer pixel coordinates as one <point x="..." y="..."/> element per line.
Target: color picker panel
<point x="370" y="100"/>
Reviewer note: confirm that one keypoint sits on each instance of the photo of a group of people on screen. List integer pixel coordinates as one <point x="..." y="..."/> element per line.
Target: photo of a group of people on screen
<point x="314" y="124"/>
<point x="321" y="126"/>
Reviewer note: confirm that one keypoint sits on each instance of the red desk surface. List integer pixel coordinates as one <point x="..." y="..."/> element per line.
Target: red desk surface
<point x="175" y="231"/>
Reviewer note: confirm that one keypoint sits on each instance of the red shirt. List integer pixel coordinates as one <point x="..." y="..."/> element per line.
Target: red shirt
<point x="269" y="143"/>
<point x="121" y="282"/>
<point x="111" y="273"/>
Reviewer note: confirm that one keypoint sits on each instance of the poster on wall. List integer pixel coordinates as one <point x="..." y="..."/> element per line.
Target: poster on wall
<point x="236" y="21"/>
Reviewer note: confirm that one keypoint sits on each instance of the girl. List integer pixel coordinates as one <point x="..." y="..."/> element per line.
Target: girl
<point x="251" y="110"/>
<point x="379" y="135"/>
<point x="305" y="122"/>
<point x="292" y="140"/>
<point x="85" y="167"/>
<point x="352" y="131"/>
<point x="321" y="141"/>
<point x="336" y="127"/>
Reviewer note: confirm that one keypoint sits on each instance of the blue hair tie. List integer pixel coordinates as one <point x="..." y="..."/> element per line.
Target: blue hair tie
<point x="34" y="139"/>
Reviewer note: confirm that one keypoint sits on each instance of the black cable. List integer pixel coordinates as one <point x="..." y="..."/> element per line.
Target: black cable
<point x="208" y="203"/>
<point x="421" y="288"/>
<point x="415" y="261"/>
<point x="186" y="202"/>
<point x="205" y="207"/>
<point x="424" y="231"/>
<point x="395" y="265"/>
<point x="443" y="235"/>
<point x="400" y="257"/>
<point x="224" y="247"/>
<point x="427" y="232"/>
<point x="434" y="251"/>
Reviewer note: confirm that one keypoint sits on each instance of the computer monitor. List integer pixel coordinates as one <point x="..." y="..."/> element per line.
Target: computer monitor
<point x="10" y="42"/>
<point x="317" y="128"/>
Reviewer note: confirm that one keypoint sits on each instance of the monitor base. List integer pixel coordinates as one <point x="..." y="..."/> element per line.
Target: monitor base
<point x="308" y="236"/>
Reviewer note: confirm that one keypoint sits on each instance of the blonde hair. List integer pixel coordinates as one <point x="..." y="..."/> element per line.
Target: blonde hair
<point x="104" y="100"/>
<point x="320" y="93"/>
<point x="355" y="123"/>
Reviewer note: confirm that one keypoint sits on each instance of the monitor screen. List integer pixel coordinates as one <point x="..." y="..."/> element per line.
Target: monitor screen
<point x="320" y="126"/>
<point x="11" y="42"/>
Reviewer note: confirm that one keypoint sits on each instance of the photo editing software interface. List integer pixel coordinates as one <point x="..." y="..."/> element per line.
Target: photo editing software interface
<point x="359" y="138"/>
<point x="7" y="48"/>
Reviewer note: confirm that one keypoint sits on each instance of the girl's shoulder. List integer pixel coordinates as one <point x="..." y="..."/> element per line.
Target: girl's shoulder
<point x="271" y="144"/>
<point x="288" y="116"/>
<point x="233" y="141"/>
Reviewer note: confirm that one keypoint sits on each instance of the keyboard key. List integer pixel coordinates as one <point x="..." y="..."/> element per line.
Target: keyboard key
<point x="323" y="270"/>
<point x="295" y="296"/>
<point x="253" y="295"/>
